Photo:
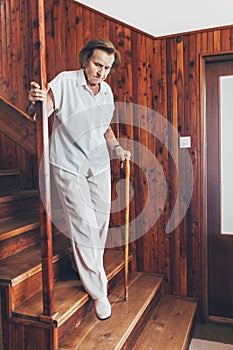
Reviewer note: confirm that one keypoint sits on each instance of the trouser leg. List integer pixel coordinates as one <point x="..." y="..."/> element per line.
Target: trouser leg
<point x="86" y="204"/>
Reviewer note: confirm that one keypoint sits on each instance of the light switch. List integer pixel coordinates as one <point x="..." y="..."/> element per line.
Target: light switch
<point x="185" y="141"/>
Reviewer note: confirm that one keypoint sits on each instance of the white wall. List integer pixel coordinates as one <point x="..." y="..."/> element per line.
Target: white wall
<point x="159" y="17"/>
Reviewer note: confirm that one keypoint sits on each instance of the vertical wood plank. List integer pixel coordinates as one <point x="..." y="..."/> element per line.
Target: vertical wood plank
<point x="217" y="40"/>
<point x="225" y="39"/>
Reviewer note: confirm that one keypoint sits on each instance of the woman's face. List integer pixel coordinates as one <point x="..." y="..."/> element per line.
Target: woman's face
<point x="98" y="67"/>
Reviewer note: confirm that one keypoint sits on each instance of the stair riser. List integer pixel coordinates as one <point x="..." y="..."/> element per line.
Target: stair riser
<point x="16" y="207"/>
<point x="32" y="285"/>
<point x="72" y="323"/>
<point x="131" y="340"/>
<point x="18" y="243"/>
<point x="9" y="183"/>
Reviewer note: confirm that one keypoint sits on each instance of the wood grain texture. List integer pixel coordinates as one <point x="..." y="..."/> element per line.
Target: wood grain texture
<point x="113" y="333"/>
<point x="159" y="73"/>
<point x="169" y="326"/>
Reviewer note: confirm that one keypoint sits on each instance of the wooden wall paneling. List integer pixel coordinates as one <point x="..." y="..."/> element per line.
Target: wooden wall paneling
<point x="121" y="88"/>
<point x="169" y="274"/>
<point x="160" y="152"/>
<point x="225" y="39"/>
<point x="210" y="41"/>
<point x="124" y="88"/>
<point x="29" y="50"/>
<point x="117" y="77"/>
<point x="142" y="243"/>
<point x="71" y="47"/>
<point x="8" y="67"/>
<point x="172" y="169"/>
<point x="50" y="40"/>
<point x="79" y="28"/>
<point x="134" y="100"/>
<point x="35" y="69"/>
<point x="180" y="121"/>
<point x="217" y="40"/>
<point x="11" y="153"/>
<point x="16" y="51"/>
<point x="101" y="26"/>
<point x="150" y="167"/>
<point x="17" y="337"/>
<point x="25" y="47"/>
<point x="184" y="123"/>
<point x="3" y="47"/>
<point x="196" y="160"/>
<point x="25" y="170"/>
<point x="14" y="157"/>
<point x="193" y="213"/>
<point x="86" y="26"/>
<point x="59" y="31"/>
<point x="129" y="134"/>
<point x="204" y="42"/>
<point x="3" y="158"/>
<point x="164" y="156"/>
<point x="57" y="64"/>
<point x="231" y="38"/>
<point x="114" y="77"/>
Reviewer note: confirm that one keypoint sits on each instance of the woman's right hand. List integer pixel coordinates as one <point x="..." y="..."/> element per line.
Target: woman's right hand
<point x="36" y="93"/>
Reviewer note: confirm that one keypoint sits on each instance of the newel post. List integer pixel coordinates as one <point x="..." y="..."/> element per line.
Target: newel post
<point x="44" y="167"/>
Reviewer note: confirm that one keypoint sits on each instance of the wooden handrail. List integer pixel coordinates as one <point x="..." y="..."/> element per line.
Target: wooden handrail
<point x="44" y="169"/>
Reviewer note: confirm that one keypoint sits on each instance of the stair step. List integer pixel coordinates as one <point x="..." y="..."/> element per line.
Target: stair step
<point x="16" y="203"/>
<point x="169" y="327"/>
<point x="19" y="233"/>
<point x="19" y="224"/>
<point x="127" y="317"/>
<point x="69" y="295"/>
<point x="9" y="180"/>
<point x="18" y="267"/>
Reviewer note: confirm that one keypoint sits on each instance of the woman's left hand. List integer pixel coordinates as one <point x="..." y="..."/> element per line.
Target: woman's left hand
<point x="121" y="153"/>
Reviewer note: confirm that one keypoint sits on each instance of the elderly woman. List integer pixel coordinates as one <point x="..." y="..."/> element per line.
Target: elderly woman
<point x="83" y="105"/>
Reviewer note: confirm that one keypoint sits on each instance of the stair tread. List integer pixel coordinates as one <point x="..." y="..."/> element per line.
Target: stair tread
<point x="5" y="172"/>
<point x="69" y="295"/>
<point x="19" y="224"/>
<point x="169" y="326"/>
<point x="112" y="333"/>
<point x="23" y="264"/>
<point x="16" y="195"/>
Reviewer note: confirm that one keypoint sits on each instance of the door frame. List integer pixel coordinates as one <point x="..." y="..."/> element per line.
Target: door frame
<point x="203" y="60"/>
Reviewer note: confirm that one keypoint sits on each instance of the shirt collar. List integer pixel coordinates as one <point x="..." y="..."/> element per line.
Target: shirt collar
<point x="81" y="81"/>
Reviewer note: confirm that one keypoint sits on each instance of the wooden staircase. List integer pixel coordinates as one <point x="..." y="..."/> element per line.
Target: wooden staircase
<point x="73" y="324"/>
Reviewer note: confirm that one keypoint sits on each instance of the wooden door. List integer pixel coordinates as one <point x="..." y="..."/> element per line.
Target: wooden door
<point x="220" y="245"/>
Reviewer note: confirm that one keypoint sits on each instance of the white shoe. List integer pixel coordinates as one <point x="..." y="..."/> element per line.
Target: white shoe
<point x="103" y="308"/>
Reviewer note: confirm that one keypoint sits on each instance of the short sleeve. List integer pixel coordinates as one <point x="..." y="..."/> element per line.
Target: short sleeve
<point x="56" y="85"/>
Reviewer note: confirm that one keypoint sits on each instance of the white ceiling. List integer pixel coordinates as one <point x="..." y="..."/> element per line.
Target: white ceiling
<point x="159" y="17"/>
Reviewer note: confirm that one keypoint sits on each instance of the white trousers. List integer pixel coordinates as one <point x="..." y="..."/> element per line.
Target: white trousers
<point x="86" y="203"/>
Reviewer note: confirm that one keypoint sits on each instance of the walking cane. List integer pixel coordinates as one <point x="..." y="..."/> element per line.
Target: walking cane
<point x="127" y="174"/>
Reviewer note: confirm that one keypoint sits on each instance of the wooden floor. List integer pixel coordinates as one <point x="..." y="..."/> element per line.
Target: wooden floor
<point x="169" y="326"/>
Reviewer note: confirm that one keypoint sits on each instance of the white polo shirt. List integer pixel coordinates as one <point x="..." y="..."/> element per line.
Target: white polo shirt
<point x="77" y="143"/>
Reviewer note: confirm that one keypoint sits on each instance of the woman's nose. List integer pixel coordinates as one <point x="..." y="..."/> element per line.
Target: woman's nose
<point x="100" y="71"/>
